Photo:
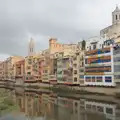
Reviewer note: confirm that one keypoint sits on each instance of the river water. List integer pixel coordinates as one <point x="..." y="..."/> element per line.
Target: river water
<point x="29" y="105"/>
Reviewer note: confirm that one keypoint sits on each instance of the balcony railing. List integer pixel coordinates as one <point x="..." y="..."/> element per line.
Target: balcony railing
<point x="97" y="51"/>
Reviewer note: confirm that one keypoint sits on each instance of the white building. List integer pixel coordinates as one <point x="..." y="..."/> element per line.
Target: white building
<point x="95" y="42"/>
<point x="113" y="31"/>
<point x="99" y="65"/>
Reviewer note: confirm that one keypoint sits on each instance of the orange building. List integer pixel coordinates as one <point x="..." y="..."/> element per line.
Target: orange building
<point x="19" y="72"/>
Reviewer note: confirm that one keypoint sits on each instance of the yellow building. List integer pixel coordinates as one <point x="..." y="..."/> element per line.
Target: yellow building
<point x="11" y="71"/>
<point x="32" y="68"/>
<point x="54" y="47"/>
<point x="1" y="70"/>
<point x="45" y="68"/>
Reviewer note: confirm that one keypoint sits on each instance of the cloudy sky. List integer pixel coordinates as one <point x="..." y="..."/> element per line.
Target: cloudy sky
<point x="68" y="20"/>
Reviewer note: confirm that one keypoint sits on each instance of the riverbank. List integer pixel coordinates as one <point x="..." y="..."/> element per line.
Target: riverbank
<point x="109" y="91"/>
<point x="70" y="94"/>
<point x="66" y="93"/>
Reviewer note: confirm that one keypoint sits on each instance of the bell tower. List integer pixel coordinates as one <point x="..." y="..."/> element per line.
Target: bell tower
<point x="31" y="47"/>
<point x="116" y="15"/>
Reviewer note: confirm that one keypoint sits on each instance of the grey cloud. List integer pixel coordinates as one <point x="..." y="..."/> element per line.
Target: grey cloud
<point x="68" y="20"/>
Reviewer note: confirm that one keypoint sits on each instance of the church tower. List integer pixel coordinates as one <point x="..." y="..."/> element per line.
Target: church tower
<point x="116" y="16"/>
<point x="31" y="47"/>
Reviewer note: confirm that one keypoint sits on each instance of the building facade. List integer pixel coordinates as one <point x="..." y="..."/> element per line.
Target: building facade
<point x="99" y="64"/>
<point x="19" y="72"/>
<point x="78" y="64"/>
<point x="55" y="47"/>
<point x="116" y="57"/>
<point x="32" y="66"/>
<point x="64" y="69"/>
<point x="113" y="31"/>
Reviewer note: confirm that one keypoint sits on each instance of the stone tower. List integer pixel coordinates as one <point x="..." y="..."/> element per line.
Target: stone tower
<point x="31" y="47"/>
<point x="52" y="44"/>
<point x="116" y="16"/>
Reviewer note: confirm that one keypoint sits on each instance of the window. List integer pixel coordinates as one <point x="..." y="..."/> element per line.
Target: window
<point x="94" y="46"/>
<point x="99" y="79"/>
<point x="116" y="68"/>
<point x="117" y="59"/>
<point x="75" y="65"/>
<point x="100" y="109"/>
<point x="116" y="17"/>
<point x="75" y="79"/>
<point x="108" y="79"/>
<point x="102" y="46"/>
<point x="88" y="79"/>
<point x="45" y="71"/>
<point x="81" y="70"/>
<point x="109" y="110"/>
<point x="86" y="61"/>
<point x="76" y="104"/>
<point x="28" y="67"/>
<point x="75" y="71"/>
<point x="94" y="107"/>
<point x="88" y="106"/>
<point x="29" y="73"/>
<point x="90" y="48"/>
<point x="82" y="76"/>
<point x="82" y="64"/>
<point x="117" y="76"/>
<point x="93" y="79"/>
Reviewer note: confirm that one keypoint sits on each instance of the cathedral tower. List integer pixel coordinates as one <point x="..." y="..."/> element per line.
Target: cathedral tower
<point x="31" y="47"/>
<point x="116" y="15"/>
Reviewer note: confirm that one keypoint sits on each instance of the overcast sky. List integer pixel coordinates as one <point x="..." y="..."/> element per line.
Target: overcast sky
<point x="68" y="20"/>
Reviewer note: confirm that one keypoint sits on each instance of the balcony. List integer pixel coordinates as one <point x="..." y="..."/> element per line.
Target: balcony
<point x="101" y="59"/>
<point x="97" y="51"/>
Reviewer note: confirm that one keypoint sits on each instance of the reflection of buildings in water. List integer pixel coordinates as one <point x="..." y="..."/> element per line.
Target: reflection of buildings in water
<point x="30" y="104"/>
<point x="33" y="105"/>
<point x="83" y="109"/>
<point x="20" y="100"/>
<point x="65" y="102"/>
<point x="47" y="106"/>
<point x="107" y="109"/>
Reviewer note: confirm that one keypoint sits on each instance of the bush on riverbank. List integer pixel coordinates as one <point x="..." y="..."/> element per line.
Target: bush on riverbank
<point x="68" y="90"/>
<point x="6" y="103"/>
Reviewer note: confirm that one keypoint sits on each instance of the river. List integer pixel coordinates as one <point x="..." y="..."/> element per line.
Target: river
<point x="29" y="105"/>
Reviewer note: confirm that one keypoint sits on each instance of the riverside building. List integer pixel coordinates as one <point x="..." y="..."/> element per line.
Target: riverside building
<point x="99" y="64"/>
<point x="116" y="57"/>
<point x="113" y="31"/>
<point x="19" y="72"/>
<point x="64" y="69"/>
<point x="78" y="64"/>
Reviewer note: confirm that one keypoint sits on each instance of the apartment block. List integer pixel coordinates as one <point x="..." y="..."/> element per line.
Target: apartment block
<point x="32" y="72"/>
<point x="78" y="64"/>
<point x="99" y="64"/>
<point x="64" y="69"/>
<point x="19" y="72"/>
<point x="11" y="71"/>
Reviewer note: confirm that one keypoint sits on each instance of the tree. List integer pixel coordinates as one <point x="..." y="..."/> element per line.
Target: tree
<point x="83" y="44"/>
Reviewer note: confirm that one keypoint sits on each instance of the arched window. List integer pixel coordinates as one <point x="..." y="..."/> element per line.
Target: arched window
<point x="116" y="17"/>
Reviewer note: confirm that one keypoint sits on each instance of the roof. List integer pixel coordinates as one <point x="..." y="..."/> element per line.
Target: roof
<point x="117" y="9"/>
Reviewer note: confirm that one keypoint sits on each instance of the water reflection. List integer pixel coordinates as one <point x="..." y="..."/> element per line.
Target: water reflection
<point x="49" y="106"/>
